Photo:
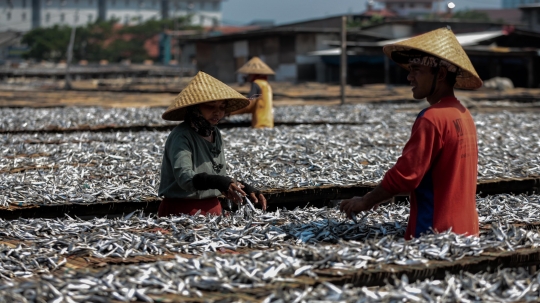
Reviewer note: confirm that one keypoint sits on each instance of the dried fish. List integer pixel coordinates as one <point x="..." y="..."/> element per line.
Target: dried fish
<point x="43" y="244"/>
<point x="89" y="167"/>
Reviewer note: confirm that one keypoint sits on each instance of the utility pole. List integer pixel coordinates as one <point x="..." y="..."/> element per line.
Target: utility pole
<point x="175" y="37"/>
<point x="70" y="54"/>
<point x="343" y="69"/>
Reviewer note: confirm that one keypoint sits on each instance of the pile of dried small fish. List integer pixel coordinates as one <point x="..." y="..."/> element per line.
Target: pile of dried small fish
<point x="233" y="273"/>
<point x="69" y="118"/>
<point x="43" y="244"/>
<point x="36" y="119"/>
<point x="84" y="167"/>
<point x="504" y="285"/>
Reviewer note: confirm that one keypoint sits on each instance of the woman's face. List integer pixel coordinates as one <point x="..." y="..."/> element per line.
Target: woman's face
<point x="213" y="111"/>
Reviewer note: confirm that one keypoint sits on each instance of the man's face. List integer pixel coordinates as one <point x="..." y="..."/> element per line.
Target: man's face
<point x="421" y="79"/>
<point x="213" y="111"/>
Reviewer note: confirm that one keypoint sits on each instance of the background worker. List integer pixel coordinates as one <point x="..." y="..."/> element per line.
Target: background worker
<point x="438" y="165"/>
<point x="194" y="170"/>
<point x="260" y="95"/>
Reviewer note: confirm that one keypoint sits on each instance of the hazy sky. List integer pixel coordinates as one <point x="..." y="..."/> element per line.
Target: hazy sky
<point x="239" y="12"/>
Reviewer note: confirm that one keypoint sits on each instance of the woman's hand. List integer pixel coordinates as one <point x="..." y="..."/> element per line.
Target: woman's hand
<point x="235" y="192"/>
<point x="254" y="195"/>
<point x="261" y="199"/>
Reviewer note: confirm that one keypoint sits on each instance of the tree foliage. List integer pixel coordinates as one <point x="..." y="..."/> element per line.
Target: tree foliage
<point x="471" y="15"/>
<point x="99" y="40"/>
<point x="359" y="24"/>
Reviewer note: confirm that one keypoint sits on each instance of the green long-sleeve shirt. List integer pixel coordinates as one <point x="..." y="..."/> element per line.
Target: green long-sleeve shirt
<point x="187" y="154"/>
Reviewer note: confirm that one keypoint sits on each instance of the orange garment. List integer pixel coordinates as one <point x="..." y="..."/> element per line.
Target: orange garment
<point x="438" y="167"/>
<point x="260" y="107"/>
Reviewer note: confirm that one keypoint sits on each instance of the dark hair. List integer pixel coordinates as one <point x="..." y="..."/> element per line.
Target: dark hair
<point x="450" y="77"/>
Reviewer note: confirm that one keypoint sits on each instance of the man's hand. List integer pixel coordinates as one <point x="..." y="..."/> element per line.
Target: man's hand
<point x="355" y="205"/>
<point x="371" y="200"/>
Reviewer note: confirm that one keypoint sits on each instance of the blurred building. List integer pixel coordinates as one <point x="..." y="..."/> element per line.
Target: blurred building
<point x="517" y="3"/>
<point x="510" y="16"/>
<point x="10" y="46"/>
<point x="284" y="48"/>
<point x="496" y="50"/>
<point x="531" y="16"/>
<point x="410" y="8"/>
<point x="24" y="15"/>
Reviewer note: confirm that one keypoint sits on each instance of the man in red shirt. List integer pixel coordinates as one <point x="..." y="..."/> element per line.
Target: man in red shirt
<point x="438" y="166"/>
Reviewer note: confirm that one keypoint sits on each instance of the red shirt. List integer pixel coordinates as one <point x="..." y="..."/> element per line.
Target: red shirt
<point x="439" y="168"/>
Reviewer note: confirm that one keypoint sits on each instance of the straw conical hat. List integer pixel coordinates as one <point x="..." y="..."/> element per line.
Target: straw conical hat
<point x="204" y="88"/>
<point x="443" y="44"/>
<point x="257" y="67"/>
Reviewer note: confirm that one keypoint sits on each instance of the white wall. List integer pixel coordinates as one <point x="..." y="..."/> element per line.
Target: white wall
<point x="19" y="16"/>
<point x="411" y="8"/>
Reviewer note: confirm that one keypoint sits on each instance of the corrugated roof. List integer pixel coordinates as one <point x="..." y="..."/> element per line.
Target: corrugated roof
<point x="408" y="1"/>
<point x="464" y="39"/>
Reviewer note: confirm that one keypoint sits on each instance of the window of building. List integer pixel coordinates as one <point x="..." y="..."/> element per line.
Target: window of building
<point x="113" y="2"/>
<point x="402" y="5"/>
<point x="141" y="3"/>
<point x="62" y="17"/>
<point x="47" y="17"/>
<point x="126" y="3"/>
<point x="154" y="2"/>
<point x="411" y="5"/>
<point x="24" y="3"/>
<point x="90" y="17"/>
<point x="76" y="1"/>
<point x="427" y="5"/>
<point x="23" y="17"/>
<point x="76" y="17"/>
<point x="90" y="2"/>
<point x="215" y="5"/>
<point x="201" y="19"/>
<point x="126" y="19"/>
<point x="8" y="16"/>
<point x="190" y="5"/>
<point x="63" y="2"/>
<point x="49" y="2"/>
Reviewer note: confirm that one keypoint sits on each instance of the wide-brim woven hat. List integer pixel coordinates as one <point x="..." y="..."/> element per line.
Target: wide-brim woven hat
<point x="256" y="66"/>
<point x="204" y="88"/>
<point x="443" y="44"/>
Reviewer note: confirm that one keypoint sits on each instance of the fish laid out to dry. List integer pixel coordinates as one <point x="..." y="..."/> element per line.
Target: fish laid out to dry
<point x="189" y="277"/>
<point x="84" y="167"/>
<point x="42" y="245"/>
<point x="70" y="118"/>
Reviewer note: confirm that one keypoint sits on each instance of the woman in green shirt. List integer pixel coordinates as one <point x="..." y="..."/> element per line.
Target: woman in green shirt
<point x="193" y="170"/>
